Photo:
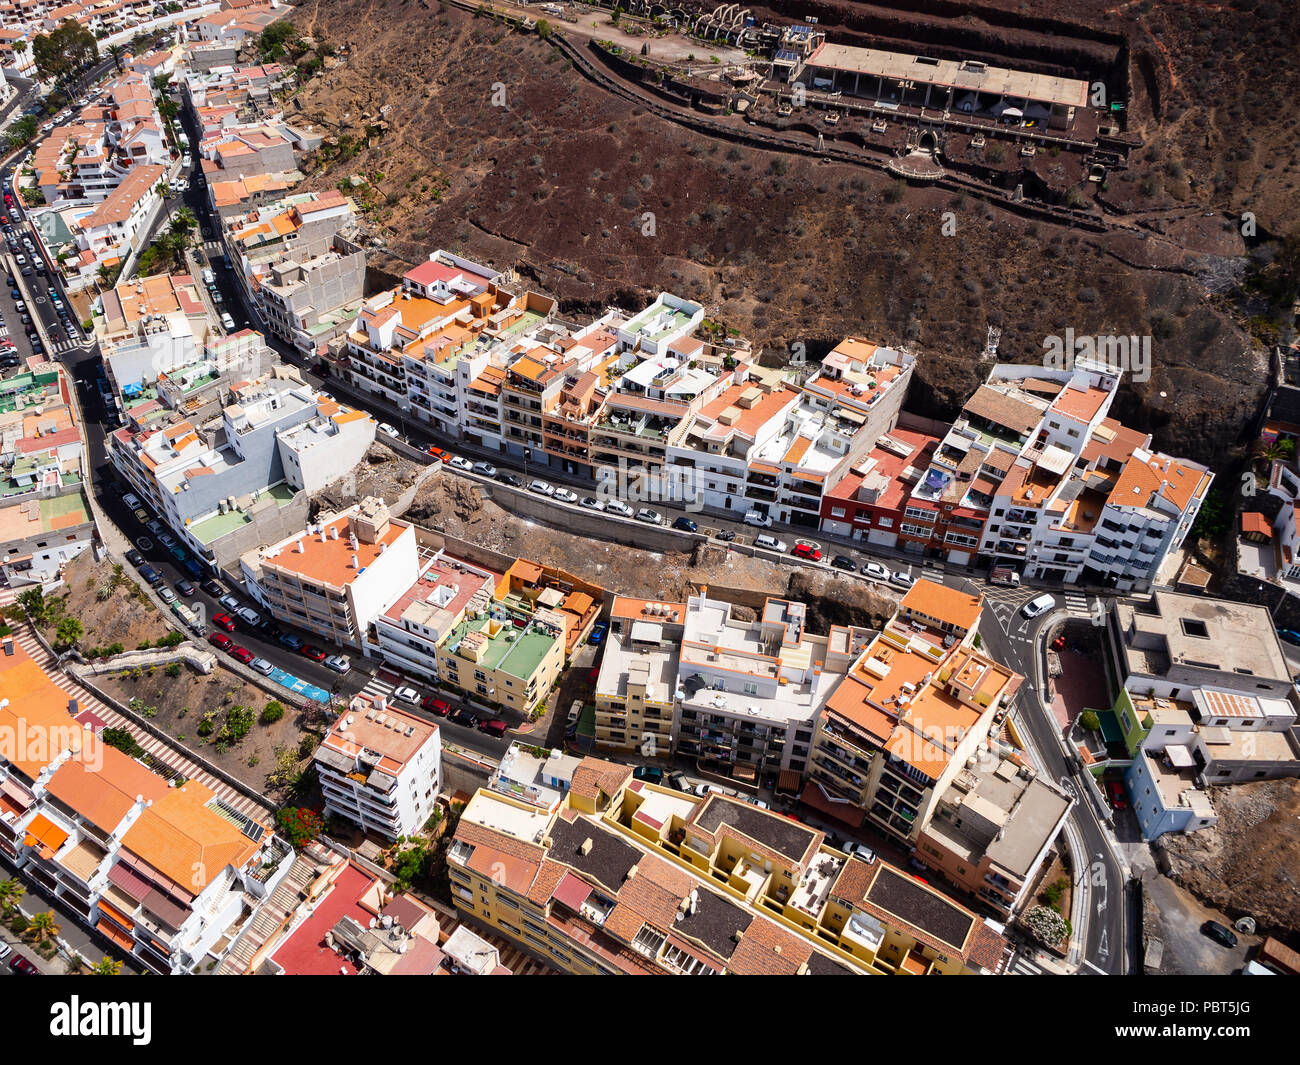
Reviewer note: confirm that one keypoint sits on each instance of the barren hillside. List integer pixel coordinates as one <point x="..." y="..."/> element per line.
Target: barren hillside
<point x="783" y="247"/>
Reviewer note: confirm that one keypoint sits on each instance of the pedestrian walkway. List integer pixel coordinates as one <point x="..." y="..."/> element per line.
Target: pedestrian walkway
<point x="382" y="684"/>
<point x="1078" y="605"/>
<point x="162" y="753"/>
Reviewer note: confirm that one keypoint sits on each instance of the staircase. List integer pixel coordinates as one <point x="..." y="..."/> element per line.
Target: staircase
<point x="270" y="916"/>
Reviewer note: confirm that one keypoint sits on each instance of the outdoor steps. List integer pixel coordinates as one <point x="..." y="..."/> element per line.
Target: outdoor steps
<point x="270" y="916"/>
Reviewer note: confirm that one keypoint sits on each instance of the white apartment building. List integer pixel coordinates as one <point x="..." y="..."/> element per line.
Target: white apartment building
<point x="338" y="575"/>
<point x="380" y="768"/>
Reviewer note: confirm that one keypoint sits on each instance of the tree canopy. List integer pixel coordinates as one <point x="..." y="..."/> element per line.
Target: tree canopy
<point x="64" y="51"/>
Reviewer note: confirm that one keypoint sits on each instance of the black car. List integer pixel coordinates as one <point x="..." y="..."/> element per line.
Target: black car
<point x="506" y="477"/>
<point x="686" y="525"/>
<point x="135" y="558"/>
<point x="213" y="588"/>
<point x="649" y="773"/>
<point x="726" y="536"/>
<point x="1221" y="934"/>
<point x="461" y="716"/>
<point x="185" y="588"/>
<point x="268" y="628"/>
<point x="844" y="562"/>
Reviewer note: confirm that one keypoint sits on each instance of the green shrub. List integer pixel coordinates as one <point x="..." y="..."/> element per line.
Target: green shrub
<point x="272" y="713"/>
<point x="1089" y="721"/>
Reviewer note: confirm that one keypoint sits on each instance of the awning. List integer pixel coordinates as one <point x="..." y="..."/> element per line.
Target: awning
<point x="572" y="891"/>
<point x="107" y="928"/>
<point x="789" y="781"/>
<point x="45" y="834"/>
<point x="840" y="809"/>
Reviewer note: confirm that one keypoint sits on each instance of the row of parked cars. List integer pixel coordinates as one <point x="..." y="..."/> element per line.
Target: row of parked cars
<point x="439" y="707"/>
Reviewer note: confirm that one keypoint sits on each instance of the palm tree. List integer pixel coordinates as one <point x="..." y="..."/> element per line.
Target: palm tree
<point x="106" y="967"/>
<point x="43" y="927"/>
<point x="11" y="891"/>
<point x="117" y="52"/>
<point x="1274" y="450"/>
<point x="183" y="223"/>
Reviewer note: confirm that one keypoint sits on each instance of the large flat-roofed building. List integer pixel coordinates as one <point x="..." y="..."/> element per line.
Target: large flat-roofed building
<point x="992" y="829"/>
<point x="336" y="576"/>
<point x="380" y="768"/>
<point x="968" y="87"/>
<point x="628" y="877"/>
<point x="637" y="685"/>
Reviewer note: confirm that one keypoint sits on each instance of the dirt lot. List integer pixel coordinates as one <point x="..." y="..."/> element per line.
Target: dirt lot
<point x="457" y="506"/>
<point x="179" y="705"/>
<point x="125" y="615"/>
<point x="1249" y="863"/>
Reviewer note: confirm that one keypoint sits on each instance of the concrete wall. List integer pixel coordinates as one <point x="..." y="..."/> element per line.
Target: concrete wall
<point x="269" y="525"/>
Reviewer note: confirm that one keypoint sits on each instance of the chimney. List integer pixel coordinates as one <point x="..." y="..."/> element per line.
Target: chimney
<point x="334" y="532"/>
<point x="299" y="547"/>
<point x="585" y="849"/>
<point x="355" y="563"/>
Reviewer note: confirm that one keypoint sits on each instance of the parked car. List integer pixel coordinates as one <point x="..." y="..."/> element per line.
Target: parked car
<point x="389" y="430"/>
<point x="135" y="558"/>
<point x="726" y="535"/>
<point x="439" y="454"/>
<point x="166" y="595"/>
<point x="291" y="640"/>
<point x="185" y="588"/>
<point x="1289" y="635"/>
<point x="854" y="849"/>
<point x="228" y="323"/>
<point x="617" y="506"/>
<point x="212" y="587"/>
<point x="651" y="774"/>
<point x="685" y="525"/>
<point x="178" y="553"/>
<point x="1221" y="934"/>
<point x="242" y="654"/>
<point x="769" y="543"/>
<point x="156" y="527"/>
<point x="1115" y="790"/>
<point x="1041" y="605"/>
<point x="150" y="574"/>
<point x="224" y="621"/>
<point x="338" y="663"/>
<point x="220" y="640"/>
<point x="5" y="950"/>
<point x="757" y="517"/>
<point x="901" y="578"/>
<point x="705" y="789"/>
<point x="262" y="666"/>
<point x="463" y="717"/>
<point x="436" y="706"/>
<point x="461" y="463"/>
<point x="486" y="469"/>
<point x="598" y="631"/>
<point x="407" y="694"/>
<point x="248" y="614"/>
<point x="508" y="478"/>
<point x="131" y="500"/>
<point x="650" y="517"/>
<point x="563" y="495"/>
<point x="312" y="652"/>
<point x="269" y="629"/>
<point x="493" y="726"/>
<point x="678" y="780"/>
<point x="812" y="554"/>
<point x="20" y="965"/>
<point x="845" y="563"/>
<point x="541" y="488"/>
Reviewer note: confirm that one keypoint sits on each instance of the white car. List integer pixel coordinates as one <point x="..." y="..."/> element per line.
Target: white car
<point x="338" y="663"/>
<point x="757" y="517"/>
<point x="407" y="695"/>
<point x="592" y="503"/>
<point x="21" y="260"/>
<point x="1038" y="606"/>
<point x="769" y="543"/>
<point x="565" y="496"/>
<point x="230" y="603"/>
<point x="228" y="323"/>
<point x="650" y="517"/>
<point x="902" y="579"/>
<point x="388" y="430"/>
<point x="248" y="614"/>
<point x="875" y="571"/>
<point x="166" y="594"/>
<point x="131" y="501"/>
<point x="854" y="849"/>
<point x="706" y="789"/>
<point x="617" y="506"/>
<point x="541" y="488"/>
<point x="262" y="666"/>
<point x="461" y="462"/>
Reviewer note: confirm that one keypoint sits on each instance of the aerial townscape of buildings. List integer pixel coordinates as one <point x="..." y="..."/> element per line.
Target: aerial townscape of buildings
<point x="740" y="785"/>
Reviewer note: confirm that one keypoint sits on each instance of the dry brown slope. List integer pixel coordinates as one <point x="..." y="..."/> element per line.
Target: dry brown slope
<point x="783" y="247"/>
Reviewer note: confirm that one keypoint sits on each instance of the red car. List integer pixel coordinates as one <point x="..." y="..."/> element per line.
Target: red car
<point x="493" y="727"/>
<point x="313" y="652"/>
<point x="439" y="454"/>
<point x="225" y="621"/>
<point x="220" y="640"/>
<point x="22" y="966"/>
<point x="242" y="654"/>
<point x="1116" y="792"/>
<point x="437" y="706"/>
<point x="812" y="554"/>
